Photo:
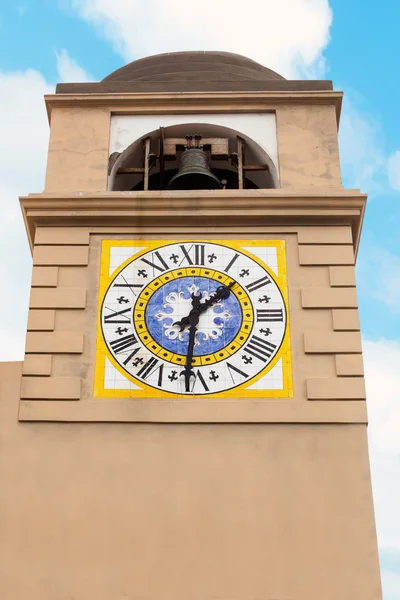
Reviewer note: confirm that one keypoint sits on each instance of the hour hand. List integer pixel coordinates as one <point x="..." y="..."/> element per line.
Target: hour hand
<point x="187" y="320"/>
<point x="182" y="323"/>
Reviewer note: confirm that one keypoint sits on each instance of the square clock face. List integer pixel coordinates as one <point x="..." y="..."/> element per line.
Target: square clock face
<point x="193" y="319"/>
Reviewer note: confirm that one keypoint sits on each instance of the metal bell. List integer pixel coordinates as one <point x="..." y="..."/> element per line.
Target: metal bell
<point x="194" y="173"/>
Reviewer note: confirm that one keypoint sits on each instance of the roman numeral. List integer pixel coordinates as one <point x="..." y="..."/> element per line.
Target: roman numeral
<point x="118" y="316"/>
<point x="233" y="368"/>
<point x="132" y="354"/>
<point x="152" y="264"/>
<point x="126" y="284"/>
<point x="200" y="377"/>
<point x="123" y="343"/>
<point x="266" y="314"/>
<point x="231" y="263"/>
<point x="198" y="258"/>
<point x="145" y="371"/>
<point x="260" y="348"/>
<point x="255" y="285"/>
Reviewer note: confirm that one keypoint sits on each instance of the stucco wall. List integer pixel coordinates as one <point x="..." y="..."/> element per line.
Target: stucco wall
<point x="145" y="511"/>
<point x="305" y="151"/>
<point x="308" y="146"/>
<point x="78" y="150"/>
<point x="325" y="336"/>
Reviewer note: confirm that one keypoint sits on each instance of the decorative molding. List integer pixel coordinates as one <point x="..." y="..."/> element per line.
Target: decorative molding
<point x="197" y="208"/>
<point x="61" y="255"/>
<point x="61" y="236"/>
<point x="346" y="388"/>
<point x="332" y="342"/>
<point x="349" y="365"/>
<point x="326" y="297"/>
<point x="58" y="298"/>
<point x="37" y="364"/>
<point x="41" y="320"/>
<point x="50" y="388"/>
<point x="59" y="342"/>
<point x="326" y="255"/>
<point x="44" y="276"/>
<point x="194" y="102"/>
<point x="342" y="276"/>
<point x="325" y="235"/>
<point x="117" y="410"/>
<point x="346" y="320"/>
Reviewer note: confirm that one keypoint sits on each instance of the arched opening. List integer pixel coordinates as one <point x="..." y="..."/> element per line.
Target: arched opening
<point x="235" y="159"/>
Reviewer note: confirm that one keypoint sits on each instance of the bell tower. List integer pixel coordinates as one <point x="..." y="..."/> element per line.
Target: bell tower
<point x="192" y="408"/>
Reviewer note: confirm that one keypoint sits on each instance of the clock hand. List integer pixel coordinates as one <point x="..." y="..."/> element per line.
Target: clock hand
<point x="221" y="293"/>
<point x="188" y="372"/>
<point x="193" y="319"/>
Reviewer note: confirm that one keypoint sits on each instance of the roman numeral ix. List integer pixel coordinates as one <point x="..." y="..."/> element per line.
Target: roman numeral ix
<point x="120" y="316"/>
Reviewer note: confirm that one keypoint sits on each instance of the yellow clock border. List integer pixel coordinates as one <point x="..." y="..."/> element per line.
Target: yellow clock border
<point x="145" y="391"/>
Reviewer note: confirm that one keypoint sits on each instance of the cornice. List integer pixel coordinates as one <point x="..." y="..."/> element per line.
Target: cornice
<point x="199" y="208"/>
<point x="192" y="102"/>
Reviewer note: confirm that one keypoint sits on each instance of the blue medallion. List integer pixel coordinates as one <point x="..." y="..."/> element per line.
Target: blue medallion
<point x="170" y="303"/>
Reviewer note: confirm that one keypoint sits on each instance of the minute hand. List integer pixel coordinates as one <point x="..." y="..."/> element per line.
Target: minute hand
<point x="222" y="293"/>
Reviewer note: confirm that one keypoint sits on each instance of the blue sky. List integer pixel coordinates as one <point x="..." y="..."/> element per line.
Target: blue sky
<point x="356" y="44"/>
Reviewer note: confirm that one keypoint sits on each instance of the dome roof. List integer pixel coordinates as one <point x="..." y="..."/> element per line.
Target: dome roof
<point x="192" y="72"/>
<point x="185" y="67"/>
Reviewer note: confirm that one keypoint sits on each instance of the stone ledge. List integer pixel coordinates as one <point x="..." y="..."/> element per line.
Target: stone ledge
<point x="117" y="410"/>
<point x="58" y="342"/>
<point x="332" y="342"/>
<point x="326" y="297"/>
<point x="345" y="388"/>
<point x="225" y="208"/>
<point x="51" y="388"/>
<point x="42" y="298"/>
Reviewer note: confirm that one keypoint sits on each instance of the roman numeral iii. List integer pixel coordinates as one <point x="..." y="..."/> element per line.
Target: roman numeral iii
<point x="269" y="315"/>
<point x="119" y="316"/>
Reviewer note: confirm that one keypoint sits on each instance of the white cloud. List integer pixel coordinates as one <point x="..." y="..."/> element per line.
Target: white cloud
<point x="69" y="70"/>
<point x="288" y="36"/>
<point x="24" y="129"/>
<point x="23" y="124"/>
<point x="394" y="170"/>
<point x="362" y="153"/>
<point x="391" y="586"/>
<point x="379" y="266"/>
<point x="382" y="360"/>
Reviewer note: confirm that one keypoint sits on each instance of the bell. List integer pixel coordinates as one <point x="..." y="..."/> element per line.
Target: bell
<point x="194" y="173"/>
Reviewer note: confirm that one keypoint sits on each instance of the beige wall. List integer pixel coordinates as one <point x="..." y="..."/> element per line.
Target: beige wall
<point x="258" y="499"/>
<point x="308" y="146"/>
<point x="78" y="150"/>
<point x="325" y="332"/>
<point x="146" y="511"/>
<point x="79" y="141"/>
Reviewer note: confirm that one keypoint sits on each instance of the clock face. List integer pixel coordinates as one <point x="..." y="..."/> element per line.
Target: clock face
<point x="234" y="300"/>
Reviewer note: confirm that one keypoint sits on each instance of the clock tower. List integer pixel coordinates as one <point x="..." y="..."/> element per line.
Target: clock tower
<point x="191" y="405"/>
